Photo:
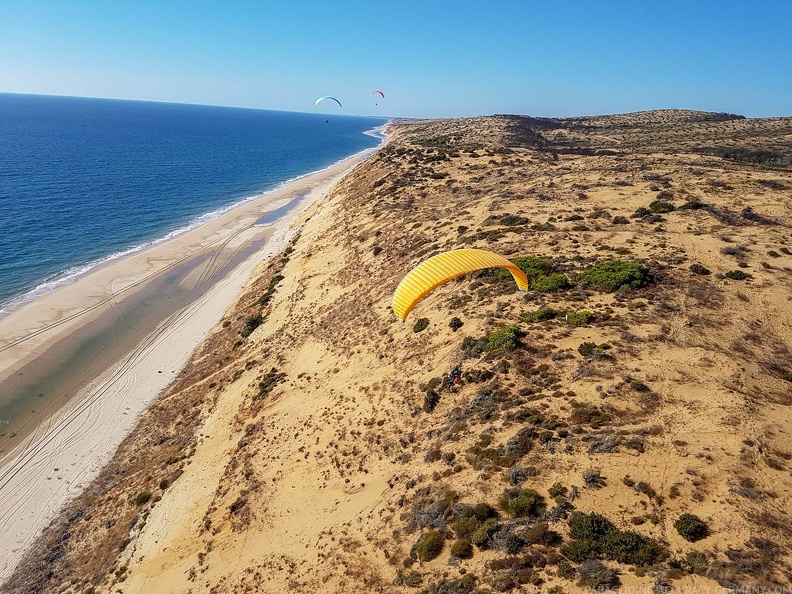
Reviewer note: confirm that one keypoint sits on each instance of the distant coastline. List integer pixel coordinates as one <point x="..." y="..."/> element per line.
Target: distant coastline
<point x="72" y="274"/>
<point x="92" y="180"/>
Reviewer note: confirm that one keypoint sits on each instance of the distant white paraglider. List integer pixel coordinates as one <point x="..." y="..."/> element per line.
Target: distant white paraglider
<point x="323" y="97"/>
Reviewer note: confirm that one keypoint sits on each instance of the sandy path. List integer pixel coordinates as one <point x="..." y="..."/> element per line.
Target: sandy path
<point x="66" y="451"/>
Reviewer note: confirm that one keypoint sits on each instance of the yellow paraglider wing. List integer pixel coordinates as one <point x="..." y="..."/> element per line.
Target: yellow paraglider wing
<point x="435" y="271"/>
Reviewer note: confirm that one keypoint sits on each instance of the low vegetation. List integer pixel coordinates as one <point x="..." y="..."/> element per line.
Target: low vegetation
<point x="691" y="527"/>
<point x="428" y="547"/>
<point x="420" y="325"/>
<point x="613" y="275"/>
<point x="251" y="324"/>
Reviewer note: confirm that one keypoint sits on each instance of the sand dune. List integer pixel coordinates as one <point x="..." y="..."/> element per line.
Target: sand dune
<point x="324" y="453"/>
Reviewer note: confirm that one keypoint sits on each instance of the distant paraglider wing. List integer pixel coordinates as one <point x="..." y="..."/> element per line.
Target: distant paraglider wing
<point x="323" y="97"/>
<point x="439" y="269"/>
<point x="380" y="93"/>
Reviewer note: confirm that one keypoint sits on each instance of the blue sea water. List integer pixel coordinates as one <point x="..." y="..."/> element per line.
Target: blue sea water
<point x="82" y="180"/>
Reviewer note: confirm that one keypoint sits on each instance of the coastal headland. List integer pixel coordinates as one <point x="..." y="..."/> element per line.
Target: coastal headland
<point x="624" y="423"/>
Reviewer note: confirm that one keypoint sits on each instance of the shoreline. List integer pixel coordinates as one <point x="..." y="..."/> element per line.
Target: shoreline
<point x="62" y="452"/>
<point x="74" y="273"/>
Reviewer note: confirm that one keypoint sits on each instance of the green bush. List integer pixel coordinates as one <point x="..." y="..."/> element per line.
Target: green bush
<point x="431" y="400"/>
<point x="611" y="275"/>
<point x="543" y="313"/>
<point x="737" y="275"/>
<point x="251" y="324"/>
<point x="532" y="266"/>
<point x="584" y="414"/>
<point x="661" y="206"/>
<point x="269" y="380"/>
<point x="699" y="269"/>
<point x="631" y="548"/>
<point x="620" y="220"/>
<point x="465" y="527"/>
<point x="691" y="527"/>
<point x="697" y="562"/>
<point x="420" y="325"/>
<point x="428" y="547"/>
<point x="143" y="498"/>
<point x="455" y="324"/>
<point x="437" y="141"/>
<point x="483" y="533"/>
<point x="540" y="533"/>
<point x="557" y="490"/>
<point x="590" y="349"/>
<point x="579" y="318"/>
<point x="484" y="511"/>
<point x="462" y="549"/>
<point x="522" y="503"/>
<point x="693" y="204"/>
<point x="591" y="526"/>
<point x="473" y="346"/>
<point x="580" y="550"/>
<point x="509" y="542"/>
<point x="596" y="537"/>
<point x="271" y="288"/>
<point x="409" y="578"/>
<point x="565" y="570"/>
<point x="462" y="585"/>
<point x="505" y="339"/>
<point x="546" y="283"/>
<point x="645" y="488"/>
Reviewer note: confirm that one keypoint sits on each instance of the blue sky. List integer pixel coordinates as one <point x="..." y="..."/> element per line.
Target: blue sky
<point x="431" y="58"/>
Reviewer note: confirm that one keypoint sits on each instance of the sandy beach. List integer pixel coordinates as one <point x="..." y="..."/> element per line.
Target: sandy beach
<point x="113" y="340"/>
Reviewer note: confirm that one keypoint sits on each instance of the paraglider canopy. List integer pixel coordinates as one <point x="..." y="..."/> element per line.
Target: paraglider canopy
<point x="380" y="93"/>
<point x="323" y="97"/>
<point x="439" y="269"/>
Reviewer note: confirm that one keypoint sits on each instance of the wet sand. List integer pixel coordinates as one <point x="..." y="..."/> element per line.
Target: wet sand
<point x="42" y="386"/>
<point x="78" y="365"/>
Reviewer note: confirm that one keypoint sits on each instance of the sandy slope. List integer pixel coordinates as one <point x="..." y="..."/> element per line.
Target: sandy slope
<point x="313" y="464"/>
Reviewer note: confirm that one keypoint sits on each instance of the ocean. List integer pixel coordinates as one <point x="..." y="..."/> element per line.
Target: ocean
<point x="86" y="180"/>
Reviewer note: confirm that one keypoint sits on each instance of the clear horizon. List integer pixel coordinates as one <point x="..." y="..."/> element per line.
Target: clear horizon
<point x="437" y="59"/>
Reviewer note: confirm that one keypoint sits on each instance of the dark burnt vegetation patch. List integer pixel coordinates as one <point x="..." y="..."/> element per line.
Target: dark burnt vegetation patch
<point x="772" y="184"/>
<point x="762" y="157"/>
<point x="760" y="561"/>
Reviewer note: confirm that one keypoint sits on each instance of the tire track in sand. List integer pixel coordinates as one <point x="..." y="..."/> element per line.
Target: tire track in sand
<point x="22" y="497"/>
